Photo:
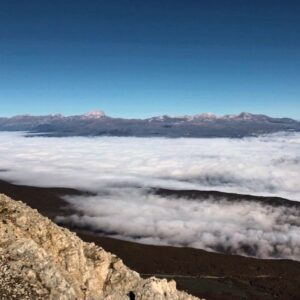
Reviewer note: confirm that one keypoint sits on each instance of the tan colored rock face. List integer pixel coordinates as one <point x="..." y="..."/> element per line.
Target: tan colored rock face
<point x="40" y="260"/>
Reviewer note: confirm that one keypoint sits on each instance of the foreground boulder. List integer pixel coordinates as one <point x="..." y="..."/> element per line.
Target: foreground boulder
<point x="40" y="260"/>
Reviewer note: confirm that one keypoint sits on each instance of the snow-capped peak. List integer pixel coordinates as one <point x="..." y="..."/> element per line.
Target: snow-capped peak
<point x="243" y="116"/>
<point x="96" y="114"/>
<point x="204" y="116"/>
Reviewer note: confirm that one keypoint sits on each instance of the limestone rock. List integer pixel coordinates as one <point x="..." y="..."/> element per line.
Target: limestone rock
<point x="40" y="260"/>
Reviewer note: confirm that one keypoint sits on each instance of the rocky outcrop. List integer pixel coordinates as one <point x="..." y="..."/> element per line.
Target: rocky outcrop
<point x="40" y="260"/>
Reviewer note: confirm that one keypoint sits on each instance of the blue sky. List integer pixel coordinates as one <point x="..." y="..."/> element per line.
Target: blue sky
<point x="145" y="58"/>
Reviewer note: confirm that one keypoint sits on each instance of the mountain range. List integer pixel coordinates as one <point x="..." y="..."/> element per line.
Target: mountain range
<point x="97" y="123"/>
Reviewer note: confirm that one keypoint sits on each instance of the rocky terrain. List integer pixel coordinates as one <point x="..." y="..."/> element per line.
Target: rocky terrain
<point x="40" y="260"/>
<point x="98" y="124"/>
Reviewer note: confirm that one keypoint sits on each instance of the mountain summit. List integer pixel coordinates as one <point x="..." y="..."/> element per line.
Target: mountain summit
<point x="96" y="114"/>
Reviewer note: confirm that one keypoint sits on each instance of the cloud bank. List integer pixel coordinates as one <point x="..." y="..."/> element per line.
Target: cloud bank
<point x="244" y="228"/>
<point x="119" y="171"/>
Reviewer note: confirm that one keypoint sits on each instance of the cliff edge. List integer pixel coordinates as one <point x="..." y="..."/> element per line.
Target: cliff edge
<point x="40" y="260"/>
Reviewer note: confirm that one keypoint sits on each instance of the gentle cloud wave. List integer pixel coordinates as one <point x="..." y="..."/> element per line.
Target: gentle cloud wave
<point x="244" y="228"/>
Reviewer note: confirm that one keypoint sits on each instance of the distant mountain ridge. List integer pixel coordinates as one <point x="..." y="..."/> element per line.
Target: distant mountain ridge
<point x="97" y="123"/>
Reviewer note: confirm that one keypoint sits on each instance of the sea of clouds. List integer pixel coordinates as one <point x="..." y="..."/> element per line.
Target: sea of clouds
<point x="120" y="170"/>
<point x="244" y="228"/>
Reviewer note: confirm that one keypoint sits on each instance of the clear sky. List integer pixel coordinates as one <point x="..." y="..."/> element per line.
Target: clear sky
<point x="136" y="58"/>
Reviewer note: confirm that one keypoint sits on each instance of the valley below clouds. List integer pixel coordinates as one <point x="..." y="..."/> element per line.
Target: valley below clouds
<point x="122" y="172"/>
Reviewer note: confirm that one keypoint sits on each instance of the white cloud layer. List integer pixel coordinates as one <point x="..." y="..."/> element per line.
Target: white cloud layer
<point x="268" y="165"/>
<point x="243" y="228"/>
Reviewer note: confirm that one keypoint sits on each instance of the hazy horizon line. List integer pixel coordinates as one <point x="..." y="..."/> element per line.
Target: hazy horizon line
<point x="172" y="115"/>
